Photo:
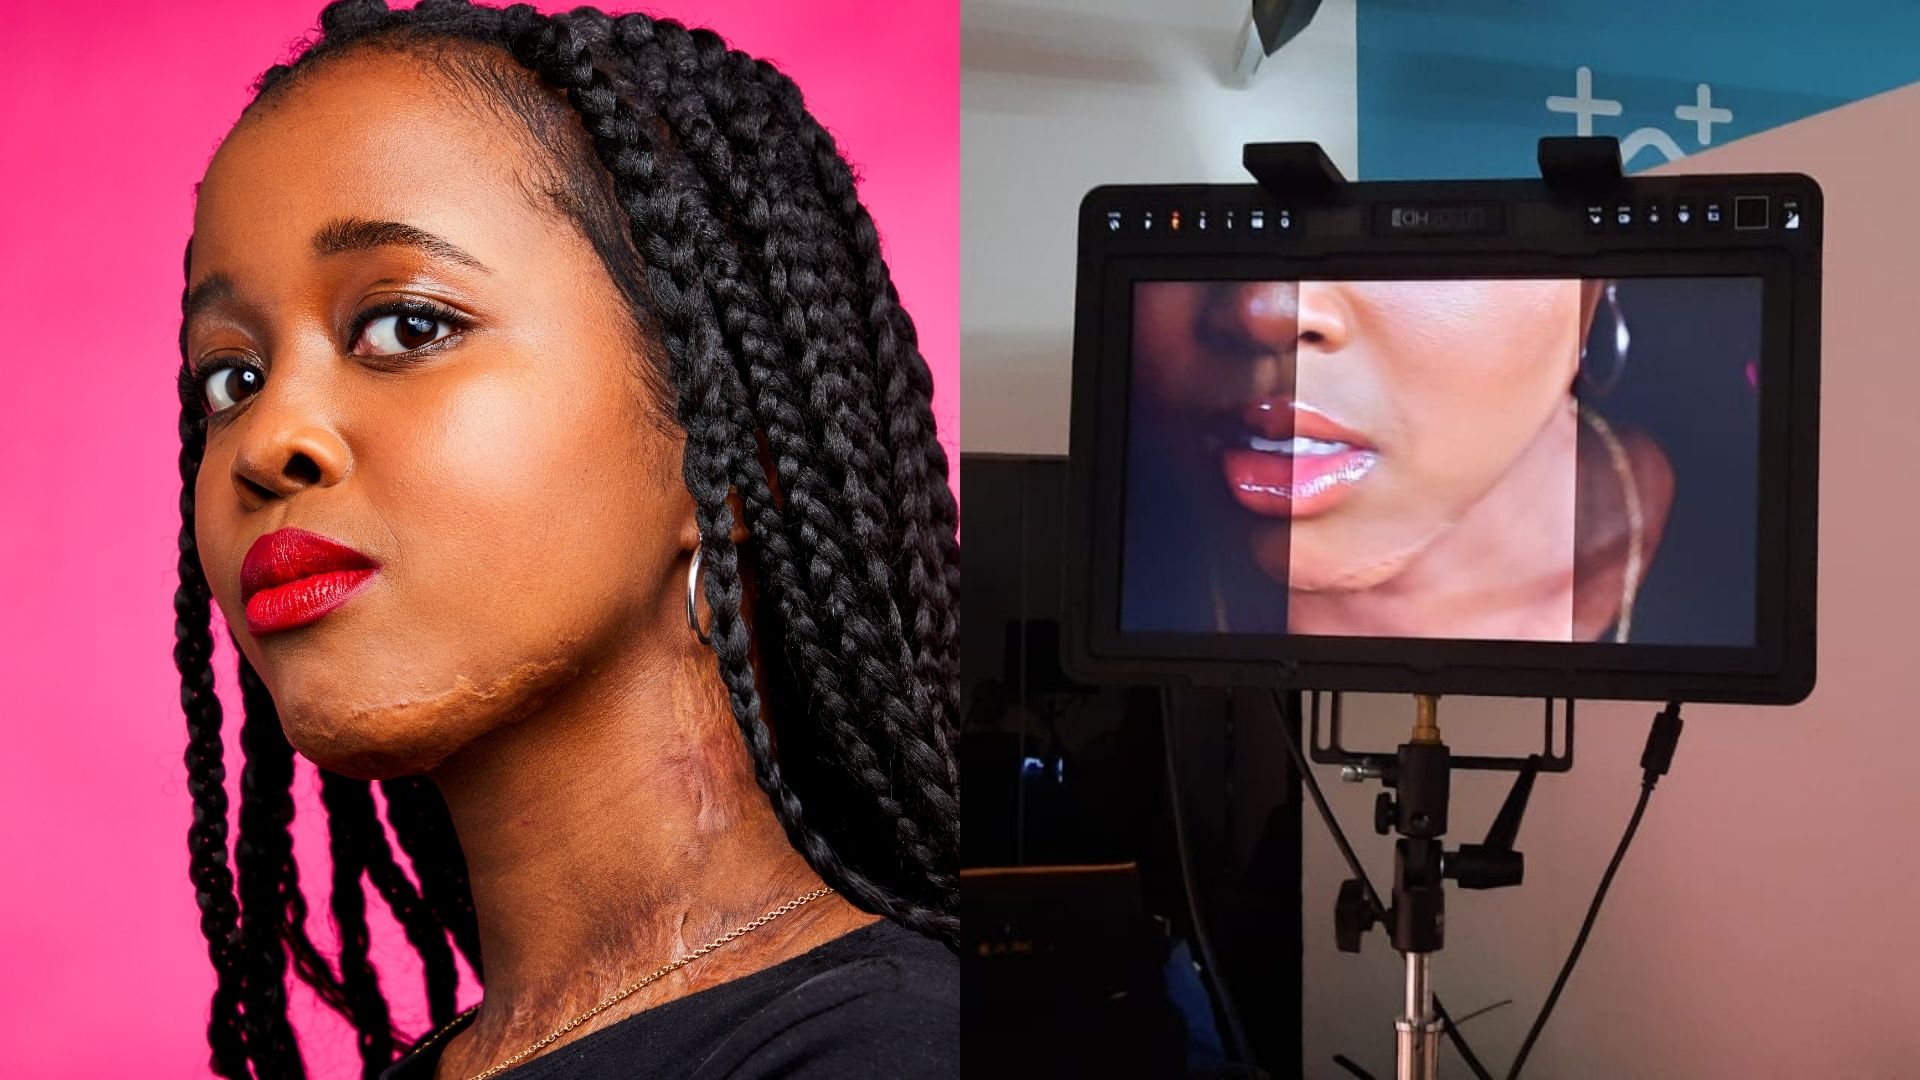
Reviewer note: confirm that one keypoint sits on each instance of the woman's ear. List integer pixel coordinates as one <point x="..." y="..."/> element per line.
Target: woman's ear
<point x="690" y="526"/>
<point x="739" y="509"/>
<point x="1590" y="290"/>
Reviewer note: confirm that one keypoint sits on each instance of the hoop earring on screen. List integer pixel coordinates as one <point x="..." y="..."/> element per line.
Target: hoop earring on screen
<point x="1600" y="387"/>
<point x="693" y="590"/>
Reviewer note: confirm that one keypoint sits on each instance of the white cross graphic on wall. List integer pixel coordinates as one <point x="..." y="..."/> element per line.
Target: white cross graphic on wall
<point x="1583" y="105"/>
<point x="1702" y="113"/>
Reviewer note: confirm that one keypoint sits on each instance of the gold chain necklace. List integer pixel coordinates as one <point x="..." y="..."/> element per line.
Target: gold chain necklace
<point x="1636" y="523"/>
<point x="597" y="1009"/>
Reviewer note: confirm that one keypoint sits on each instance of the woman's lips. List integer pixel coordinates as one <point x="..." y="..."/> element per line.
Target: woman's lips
<point x="304" y="600"/>
<point x="291" y="577"/>
<point x="1296" y="480"/>
<point x="1295" y="461"/>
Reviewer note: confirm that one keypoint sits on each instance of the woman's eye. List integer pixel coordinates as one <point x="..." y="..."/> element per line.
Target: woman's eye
<point x="225" y="387"/>
<point x="389" y="334"/>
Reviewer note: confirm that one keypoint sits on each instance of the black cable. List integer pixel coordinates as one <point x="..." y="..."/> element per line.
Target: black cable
<point x="1484" y="1009"/>
<point x="1290" y="728"/>
<point x="1352" y="1066"/>
<point x="1655" y="760"/>
<point x="1200" y="935"/>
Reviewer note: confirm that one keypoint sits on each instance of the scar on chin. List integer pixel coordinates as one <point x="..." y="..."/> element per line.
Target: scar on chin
<point x="438" y="719"/>
<point x="1361" y="578"/>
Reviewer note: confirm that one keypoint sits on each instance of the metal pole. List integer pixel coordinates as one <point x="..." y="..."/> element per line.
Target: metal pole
<point x="1417" y="1033"/>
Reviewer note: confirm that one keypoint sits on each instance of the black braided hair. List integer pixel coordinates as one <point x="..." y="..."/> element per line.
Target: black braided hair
<point x="728" y="219"/>
<point x="269" y="882"/>
<point x="208" y="867"/>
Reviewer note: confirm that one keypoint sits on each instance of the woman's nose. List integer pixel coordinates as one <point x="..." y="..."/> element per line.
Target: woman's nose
<point x="1259" y="322"/>
<point x="1266" y="314"/>
<point x="286" y="444"/>
<point x="1325" y="318"/>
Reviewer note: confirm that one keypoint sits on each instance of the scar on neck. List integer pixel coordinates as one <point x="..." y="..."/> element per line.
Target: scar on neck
<point x="710" y="762"/>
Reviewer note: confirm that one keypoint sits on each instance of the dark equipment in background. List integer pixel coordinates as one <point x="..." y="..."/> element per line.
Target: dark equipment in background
<point x="1270" y="24"/>
<point x="1064" y="975"/>
<point x="1079" y="942"/>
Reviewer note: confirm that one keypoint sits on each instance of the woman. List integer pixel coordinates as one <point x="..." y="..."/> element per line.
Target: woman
<point x="560" y="458"/>
<point x="1402" y="458"/>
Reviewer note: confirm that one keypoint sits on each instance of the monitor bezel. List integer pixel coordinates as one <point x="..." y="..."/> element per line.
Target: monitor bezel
<point x="1778" y="668"/>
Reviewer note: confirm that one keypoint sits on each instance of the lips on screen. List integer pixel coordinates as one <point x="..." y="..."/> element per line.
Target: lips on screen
<point x="1480" y="459"/>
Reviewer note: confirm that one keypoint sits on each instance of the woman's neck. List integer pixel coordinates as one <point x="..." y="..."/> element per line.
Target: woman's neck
<point x="1504" y="570"/>
<point x="614" y="829"/>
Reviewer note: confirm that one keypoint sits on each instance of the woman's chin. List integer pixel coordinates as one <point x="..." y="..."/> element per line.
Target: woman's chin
<point x="1313" y="577"/>
<point x="1310" y="562"/>
<point x="367" y="744"/>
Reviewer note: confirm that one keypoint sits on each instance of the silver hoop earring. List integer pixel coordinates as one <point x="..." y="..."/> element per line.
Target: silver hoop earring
<point x="1599" y="387"/>
<point x="693" y="591"/>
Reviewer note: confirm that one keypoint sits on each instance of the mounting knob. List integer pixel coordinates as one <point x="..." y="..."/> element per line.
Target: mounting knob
<point x="1385" y="814"/>
<point x="1483" y="866"/>
<point x="1352" y="915"/>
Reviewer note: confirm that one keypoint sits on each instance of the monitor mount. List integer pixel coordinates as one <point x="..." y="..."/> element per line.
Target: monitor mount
<point x="1419" y="772"/>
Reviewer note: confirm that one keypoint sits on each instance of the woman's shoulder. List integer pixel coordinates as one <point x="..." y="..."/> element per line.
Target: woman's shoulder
<point x="884" y="999"/>
<point x="886" y="939"/>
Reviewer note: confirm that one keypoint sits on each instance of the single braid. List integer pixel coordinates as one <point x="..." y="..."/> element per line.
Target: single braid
<point x="422" y="927"/>
<point x="350" y="820"/>
<point x="421" y="823"/>
<point x="266" y="816"/>
<point x="261" y="737"/>
<point x="206" y="771"/>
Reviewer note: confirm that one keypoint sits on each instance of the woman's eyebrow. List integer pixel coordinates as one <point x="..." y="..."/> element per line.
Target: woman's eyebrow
<point x="355" y="234"/>
<point x="216" y="289"/>
<point x="335" y="237"/>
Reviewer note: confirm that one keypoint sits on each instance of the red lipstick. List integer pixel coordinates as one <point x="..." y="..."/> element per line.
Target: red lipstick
<point x="292" y="577"/>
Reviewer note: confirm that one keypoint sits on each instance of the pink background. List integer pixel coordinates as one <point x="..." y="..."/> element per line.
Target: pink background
<point x="107" y="118"/>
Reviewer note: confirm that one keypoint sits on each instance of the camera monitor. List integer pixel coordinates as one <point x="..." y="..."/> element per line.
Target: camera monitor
<point x="1503" y="437"/>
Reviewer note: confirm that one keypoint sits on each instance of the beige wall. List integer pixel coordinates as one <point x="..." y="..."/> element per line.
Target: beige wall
<point x="1763" y="923"/>
<point x="1059" y="96"/>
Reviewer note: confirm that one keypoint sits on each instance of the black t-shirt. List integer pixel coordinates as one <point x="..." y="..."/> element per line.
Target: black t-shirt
<point x="882" y="1000"/>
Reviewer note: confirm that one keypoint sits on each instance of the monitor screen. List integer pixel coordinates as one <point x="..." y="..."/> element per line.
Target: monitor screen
<point x="1478" y="459"/>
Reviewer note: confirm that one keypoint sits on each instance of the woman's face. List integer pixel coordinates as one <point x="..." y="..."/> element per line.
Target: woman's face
<point x="523" y="506"/>
<point x="1354" y="421"/>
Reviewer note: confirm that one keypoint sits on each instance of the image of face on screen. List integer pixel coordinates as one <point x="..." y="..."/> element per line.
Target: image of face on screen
<point x="1396" y="458"/>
